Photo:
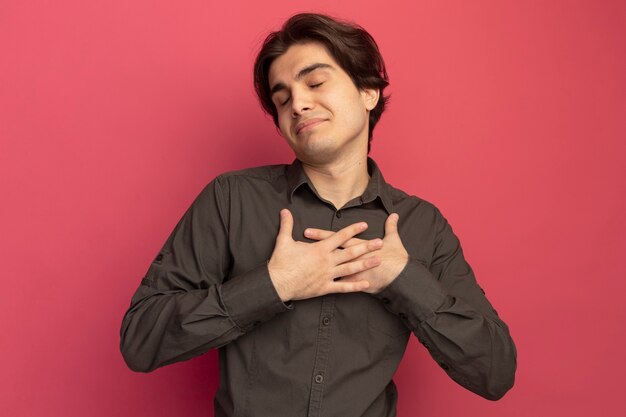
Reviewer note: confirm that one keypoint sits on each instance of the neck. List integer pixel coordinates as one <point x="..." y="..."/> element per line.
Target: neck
<point x="339" y="181"/>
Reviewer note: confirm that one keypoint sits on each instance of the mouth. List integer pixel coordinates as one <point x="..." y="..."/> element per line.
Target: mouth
<point x="308" y="124"/>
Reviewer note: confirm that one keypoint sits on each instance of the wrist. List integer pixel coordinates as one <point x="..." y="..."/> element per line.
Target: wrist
<point x="277" y="282"/>
<point x="398" y="267"/>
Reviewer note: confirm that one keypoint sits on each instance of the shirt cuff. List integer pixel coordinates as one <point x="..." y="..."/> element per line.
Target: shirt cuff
<point x="414" y="295"/>
<point x="251" y="299"/>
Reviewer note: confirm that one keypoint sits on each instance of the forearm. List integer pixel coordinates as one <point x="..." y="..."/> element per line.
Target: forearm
<point x="163" y="327"/>
<point x="475" y="350"/>
<point x="468" y="341"/>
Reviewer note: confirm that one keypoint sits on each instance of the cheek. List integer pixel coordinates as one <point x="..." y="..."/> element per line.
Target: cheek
<point x="353" y="110"/>
<point x="351" y="103"/>
<point x="283" y="123"/>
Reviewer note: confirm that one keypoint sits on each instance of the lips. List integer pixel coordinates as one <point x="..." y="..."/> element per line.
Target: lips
<point x="309" y="123"/>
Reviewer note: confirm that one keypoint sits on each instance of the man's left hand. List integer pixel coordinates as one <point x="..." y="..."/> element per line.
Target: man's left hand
<point x="393" y="255"/>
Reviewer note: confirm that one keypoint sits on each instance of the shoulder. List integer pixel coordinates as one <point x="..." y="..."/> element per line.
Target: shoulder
<point x="267" y="173"/>
<point x="223" y="186"/>
<point x="259" y="179"/>
<point x="233" y="187"/>
<point x="259" y="176"/>
<point x="414" y="206"/>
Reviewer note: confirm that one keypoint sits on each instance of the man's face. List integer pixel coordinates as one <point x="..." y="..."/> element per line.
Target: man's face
<point x="321" y="113"/>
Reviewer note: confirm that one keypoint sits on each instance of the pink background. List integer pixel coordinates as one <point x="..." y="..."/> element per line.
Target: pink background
<point x="509" y="116"/>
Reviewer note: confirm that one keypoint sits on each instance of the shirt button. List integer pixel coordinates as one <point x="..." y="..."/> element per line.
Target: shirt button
<point x="319" y="379"/>
<point x="402" y="316"/>
<point x="159" y="257"/>
<point x="338" y="214"/>
<point x="326" y="321"/>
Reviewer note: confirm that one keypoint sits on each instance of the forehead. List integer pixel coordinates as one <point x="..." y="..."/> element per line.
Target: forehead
<point x="298" y="56"/>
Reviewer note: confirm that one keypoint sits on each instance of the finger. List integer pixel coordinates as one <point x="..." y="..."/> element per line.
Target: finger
<point x="391" y="224"/>
<point x="349" y="278"/>
<point x="349" y="286"/>
<point x="354" y="267"/>
<point x="321" y="234"/>
<point x="286" y="226"/>
<point x="348" y="254"/>
<point x="318" y="234"/>
<point x="342" y="236"/>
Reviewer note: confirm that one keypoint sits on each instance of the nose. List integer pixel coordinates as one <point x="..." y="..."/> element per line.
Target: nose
<point x="301" y="101"/>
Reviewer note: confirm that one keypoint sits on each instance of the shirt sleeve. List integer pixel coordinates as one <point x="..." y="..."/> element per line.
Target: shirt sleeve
<point x="449" y="314"/>
<point x="187" y="303"/>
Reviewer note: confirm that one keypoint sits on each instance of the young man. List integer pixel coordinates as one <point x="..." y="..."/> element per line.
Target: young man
<point x="310" y="277"/>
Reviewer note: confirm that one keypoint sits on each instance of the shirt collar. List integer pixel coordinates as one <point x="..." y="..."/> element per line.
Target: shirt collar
<point x="377" y="186"/>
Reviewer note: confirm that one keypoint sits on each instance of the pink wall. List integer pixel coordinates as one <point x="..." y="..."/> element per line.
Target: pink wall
<point x="113" y="116"/>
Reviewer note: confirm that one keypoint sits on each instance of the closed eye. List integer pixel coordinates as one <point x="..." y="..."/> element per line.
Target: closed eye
<point x="311" y="86"/>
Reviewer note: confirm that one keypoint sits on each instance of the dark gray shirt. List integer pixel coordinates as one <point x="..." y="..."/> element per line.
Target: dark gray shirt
<point x="334" y="355"/>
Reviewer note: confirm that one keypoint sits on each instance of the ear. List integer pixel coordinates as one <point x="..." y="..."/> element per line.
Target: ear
<point x="370" y="97"/>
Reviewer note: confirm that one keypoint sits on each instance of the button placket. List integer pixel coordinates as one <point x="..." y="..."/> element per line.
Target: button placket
<point x="336" y="221"/>
<point x="322" y="356"/>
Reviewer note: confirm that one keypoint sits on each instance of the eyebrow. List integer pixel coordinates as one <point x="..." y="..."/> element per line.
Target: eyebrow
<point x="304" y="71"/>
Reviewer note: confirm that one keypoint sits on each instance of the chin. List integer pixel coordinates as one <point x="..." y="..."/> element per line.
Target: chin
<point x="318" y="146"/>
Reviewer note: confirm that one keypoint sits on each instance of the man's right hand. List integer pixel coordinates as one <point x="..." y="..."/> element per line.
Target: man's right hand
<point x="301" y="270"/>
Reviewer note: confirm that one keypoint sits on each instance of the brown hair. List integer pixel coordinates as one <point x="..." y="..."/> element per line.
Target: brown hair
<point x="349" y="44"/>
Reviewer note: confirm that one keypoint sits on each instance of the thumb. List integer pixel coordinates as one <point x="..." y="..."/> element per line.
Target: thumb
<point x="391" y="224"/>
<point x="286" y="225"/>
